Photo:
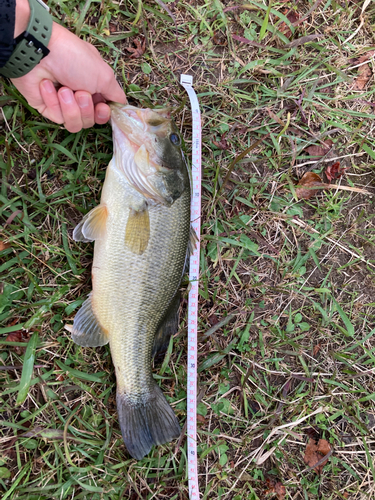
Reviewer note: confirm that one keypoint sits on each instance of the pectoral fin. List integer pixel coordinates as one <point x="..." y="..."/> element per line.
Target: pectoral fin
<point x="142" y="160"/>
<point x="86" y="330"/>
<point x="92" y="226"/>
<point x="137" y="233"/>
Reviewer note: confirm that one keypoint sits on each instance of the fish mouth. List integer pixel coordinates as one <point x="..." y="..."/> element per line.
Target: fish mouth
<point x="131" y="119"/>
<point x="135" y="156"/>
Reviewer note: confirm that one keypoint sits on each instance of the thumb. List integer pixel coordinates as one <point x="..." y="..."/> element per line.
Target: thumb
<point x="109" y="88"/>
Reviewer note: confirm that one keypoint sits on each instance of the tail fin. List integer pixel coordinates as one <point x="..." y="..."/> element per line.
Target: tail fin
<point x="146" y="420"/>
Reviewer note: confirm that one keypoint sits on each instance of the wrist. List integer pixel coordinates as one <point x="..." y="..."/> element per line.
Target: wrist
<point x="22" y="16"/>
<point x="33" y="28"/>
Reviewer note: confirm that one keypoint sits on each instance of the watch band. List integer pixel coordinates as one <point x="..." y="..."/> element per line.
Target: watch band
<point x="31" y="45"/>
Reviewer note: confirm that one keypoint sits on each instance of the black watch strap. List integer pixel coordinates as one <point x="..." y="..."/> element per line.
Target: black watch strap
<point x="31" y="45"/>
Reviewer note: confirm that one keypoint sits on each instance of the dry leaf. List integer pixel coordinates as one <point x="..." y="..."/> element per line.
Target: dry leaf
<point x="223" y="143"/>
<point x="276" y="488"/>
<point x="139" y="50"/>
<point x="213" y="319"/>
<point x="219" y="38"/>
<point x="200" y="418"/>
<point x="309" y="186"/>
<point x="320" y="151"/>
<point x="364" y="75"/>
<point x="363" y="58"/>
<point x="18" y="336"/>
<point x="293" y="17"/>
<point x="335" y="171"/>
<point x="4" y="245"/>
<point x="315" y="452"/>
<point x="311" y="183"/>
<point x="316" y="349"/>
<point x="112" y="27"/>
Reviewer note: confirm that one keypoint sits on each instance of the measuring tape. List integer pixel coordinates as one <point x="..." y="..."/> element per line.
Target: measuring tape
<point x="195" y="217"/>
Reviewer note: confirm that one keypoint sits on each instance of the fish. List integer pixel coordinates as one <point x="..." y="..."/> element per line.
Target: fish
<point x="143" y="236"/>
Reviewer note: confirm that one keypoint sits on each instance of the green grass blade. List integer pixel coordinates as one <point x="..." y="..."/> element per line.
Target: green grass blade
<point x="27" y="370"/>
<point x="263" y="29"/>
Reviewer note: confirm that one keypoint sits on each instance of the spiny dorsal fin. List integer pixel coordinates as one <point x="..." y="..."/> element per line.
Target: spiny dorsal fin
<point x="193" y="240"/>
<point x="92" y="226"/>
<point x="86" y="330"/>
<point x="137" y="233"/>
<point x="192" y="245"/>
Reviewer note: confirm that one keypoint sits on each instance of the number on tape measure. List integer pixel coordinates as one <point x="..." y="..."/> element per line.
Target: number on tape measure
<point x="196" y="177"/>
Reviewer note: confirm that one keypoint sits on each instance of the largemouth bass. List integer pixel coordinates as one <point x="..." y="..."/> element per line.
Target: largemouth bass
<point x="141" y="231"/>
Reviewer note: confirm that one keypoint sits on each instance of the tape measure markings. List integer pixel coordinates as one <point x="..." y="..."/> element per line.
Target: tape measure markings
<point x="196" y="177"/>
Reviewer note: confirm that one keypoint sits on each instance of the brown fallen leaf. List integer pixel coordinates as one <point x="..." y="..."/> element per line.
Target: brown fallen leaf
<point x="113" y="27"/>
<point x="334" y="171"/>
<point x="223" y="143"/>
<point x="219" y="38"/>
<point x="320" y="151"/>
<point x="311" y="183"/>
<point x="364" y="75"/>
<point x="316" y="349"/>
<point x="4" y="245"/>
<point x="139" y="50"/>
<point x="276" y="488"/>
<point x="309" y="186"/>
<point x="363" y="58"/>
<point x="314" y="453"/>
<point x="293" y="17"/>
<point x="213" y="319"/>
<point x="18" y="336"/>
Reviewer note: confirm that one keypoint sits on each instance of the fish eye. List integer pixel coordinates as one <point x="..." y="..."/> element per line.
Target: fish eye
<point x="174" y="139"/>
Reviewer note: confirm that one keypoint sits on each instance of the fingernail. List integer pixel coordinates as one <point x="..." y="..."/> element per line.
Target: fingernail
<point x="103" y="114"/>
<point x="48" y="86"/>
<point x="83" y="101"/>
<point x="66" y="96"/>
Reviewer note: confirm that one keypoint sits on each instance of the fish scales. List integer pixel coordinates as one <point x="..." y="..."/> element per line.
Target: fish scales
<point x="138" y="305"/>
<point x="141" y="231"/>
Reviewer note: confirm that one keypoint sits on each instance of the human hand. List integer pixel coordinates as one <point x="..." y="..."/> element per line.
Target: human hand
<point x="85" y="78"/>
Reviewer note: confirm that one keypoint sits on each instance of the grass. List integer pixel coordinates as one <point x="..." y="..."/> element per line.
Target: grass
<point x="297" y="355"/>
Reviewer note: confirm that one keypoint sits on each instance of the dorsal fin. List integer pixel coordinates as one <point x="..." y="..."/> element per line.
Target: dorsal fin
<point x="168" y="327"/>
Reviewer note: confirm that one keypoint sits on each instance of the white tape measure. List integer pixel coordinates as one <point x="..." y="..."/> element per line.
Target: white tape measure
<point x="196" y="178"/>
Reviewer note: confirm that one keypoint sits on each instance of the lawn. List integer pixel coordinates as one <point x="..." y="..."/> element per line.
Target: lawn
<point x="287" y="283"/>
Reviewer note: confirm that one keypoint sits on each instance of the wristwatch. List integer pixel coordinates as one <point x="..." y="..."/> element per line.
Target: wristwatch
<point x="30" y="46"/>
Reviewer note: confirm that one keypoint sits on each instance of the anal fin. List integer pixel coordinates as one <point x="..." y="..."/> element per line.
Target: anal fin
<point x="86" y="330"/>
